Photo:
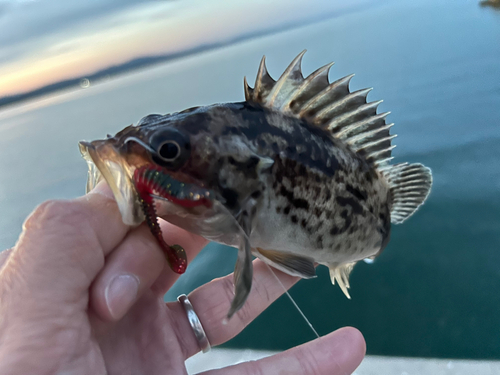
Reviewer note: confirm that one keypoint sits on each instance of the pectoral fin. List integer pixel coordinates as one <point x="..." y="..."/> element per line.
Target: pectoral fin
<point x="243" y="271"/>
<point x="291" y="264"/>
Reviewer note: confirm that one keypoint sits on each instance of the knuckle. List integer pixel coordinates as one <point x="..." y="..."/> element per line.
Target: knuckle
<point x="227" y="287"/>
<point x="54" y="212"/>
<point x="253" y="368"/>
<point x="307" y="362"/>
<point x="258" y="284"/>
<point x="245" y="314"/>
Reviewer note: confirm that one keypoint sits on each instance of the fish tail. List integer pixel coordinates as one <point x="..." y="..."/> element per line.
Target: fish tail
<point x="410" y="186"/>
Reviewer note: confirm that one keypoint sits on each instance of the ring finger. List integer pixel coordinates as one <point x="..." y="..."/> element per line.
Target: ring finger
<point x="211" y="303"/>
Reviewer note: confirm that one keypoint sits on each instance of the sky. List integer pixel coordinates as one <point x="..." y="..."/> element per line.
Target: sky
<point x="46" y="41"/>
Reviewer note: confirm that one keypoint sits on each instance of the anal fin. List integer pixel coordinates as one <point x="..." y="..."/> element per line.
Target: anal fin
<point x="341" y="274"/>
<point x="294" y="265"/>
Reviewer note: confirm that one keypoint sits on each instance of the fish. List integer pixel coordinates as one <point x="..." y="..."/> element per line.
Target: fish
<point x="299" y="174"/>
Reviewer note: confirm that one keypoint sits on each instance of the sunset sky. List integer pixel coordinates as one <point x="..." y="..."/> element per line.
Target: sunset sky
<point x="42" y="42"/>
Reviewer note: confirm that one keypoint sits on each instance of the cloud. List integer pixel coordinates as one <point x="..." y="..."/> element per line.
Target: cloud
<point x="27" y="26"/>
<point x="24" y="20"/>
<point x="42" y="42"/>
<point x="4" y="8"/>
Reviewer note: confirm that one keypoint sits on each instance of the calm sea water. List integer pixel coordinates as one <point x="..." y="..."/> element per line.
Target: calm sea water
<point x="435" y="291"/>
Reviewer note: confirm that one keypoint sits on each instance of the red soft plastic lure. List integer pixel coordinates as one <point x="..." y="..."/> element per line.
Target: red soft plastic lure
<point x="149" y="180"/>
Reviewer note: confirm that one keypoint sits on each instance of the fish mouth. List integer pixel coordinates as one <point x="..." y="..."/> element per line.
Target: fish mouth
<point x="104" y="161"/>
<point x="136" y="184"/>
<point x="134" y="177"/>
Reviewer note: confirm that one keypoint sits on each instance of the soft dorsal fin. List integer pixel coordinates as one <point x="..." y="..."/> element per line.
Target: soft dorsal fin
<point x="410" y="186"/>
<point x="327" y="105"/>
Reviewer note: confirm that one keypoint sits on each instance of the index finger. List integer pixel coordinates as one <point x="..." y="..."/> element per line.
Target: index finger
<point x="104" y="217"/>
<point x="77" y="233"/>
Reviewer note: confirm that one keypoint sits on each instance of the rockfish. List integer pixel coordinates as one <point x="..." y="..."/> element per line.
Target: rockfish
<point x="299" y="173"/>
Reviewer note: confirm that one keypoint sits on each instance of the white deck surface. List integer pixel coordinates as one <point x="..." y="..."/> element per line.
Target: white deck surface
<point x="372" y="365"/>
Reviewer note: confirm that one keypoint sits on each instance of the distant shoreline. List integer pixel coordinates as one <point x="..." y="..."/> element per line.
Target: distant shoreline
<point x="490" y="3"/>
<point x="112" y="71"/>
<point x="147" y="61"/>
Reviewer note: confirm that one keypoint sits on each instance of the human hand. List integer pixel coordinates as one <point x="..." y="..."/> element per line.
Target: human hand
<point x="81" y="293"/>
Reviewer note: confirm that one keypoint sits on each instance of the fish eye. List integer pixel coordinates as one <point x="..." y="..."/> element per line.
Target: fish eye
<point x="171" y="147"/>
<point x="169" y="150"/>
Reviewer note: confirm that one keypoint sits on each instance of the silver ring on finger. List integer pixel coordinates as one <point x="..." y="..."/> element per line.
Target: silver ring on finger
<point x="195" y="323"/>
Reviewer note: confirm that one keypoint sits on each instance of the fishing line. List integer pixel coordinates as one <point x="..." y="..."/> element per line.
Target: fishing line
<point x="293" y="301"/>
<point x="279" y="281"/>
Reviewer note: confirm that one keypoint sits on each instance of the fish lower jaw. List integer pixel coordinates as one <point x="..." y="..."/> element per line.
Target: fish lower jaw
<point x="105" y="163"/>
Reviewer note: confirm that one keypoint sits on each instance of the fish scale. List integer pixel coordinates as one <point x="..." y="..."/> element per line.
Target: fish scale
<point x="334" y="220"/>
<point x="299" y="173"/>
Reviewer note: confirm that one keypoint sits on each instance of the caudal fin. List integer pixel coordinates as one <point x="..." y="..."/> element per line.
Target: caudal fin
<point x="410" y="186"/>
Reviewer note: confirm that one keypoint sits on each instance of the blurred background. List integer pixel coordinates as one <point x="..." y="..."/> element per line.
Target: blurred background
<point x="73" y="71"/>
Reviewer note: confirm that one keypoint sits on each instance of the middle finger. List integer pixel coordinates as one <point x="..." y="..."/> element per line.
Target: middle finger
<point x="134" y="266"/>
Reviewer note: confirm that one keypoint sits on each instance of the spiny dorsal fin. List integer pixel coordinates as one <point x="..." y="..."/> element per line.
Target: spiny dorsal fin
<point x="327" y="105"/>
<point x="341" y="274"/>
<point x="410" y="186"/>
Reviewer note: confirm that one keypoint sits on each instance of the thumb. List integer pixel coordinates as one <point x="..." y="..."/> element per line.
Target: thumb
<point x="63" y="246"/>
<point x="4" y="255"/>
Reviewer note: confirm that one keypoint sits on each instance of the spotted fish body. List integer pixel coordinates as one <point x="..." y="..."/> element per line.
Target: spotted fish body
<point x="315" y="196"/>
<point x="299" y="173"/>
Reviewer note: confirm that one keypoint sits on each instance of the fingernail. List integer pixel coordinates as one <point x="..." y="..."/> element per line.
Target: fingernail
<point x="121" y="293"/>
